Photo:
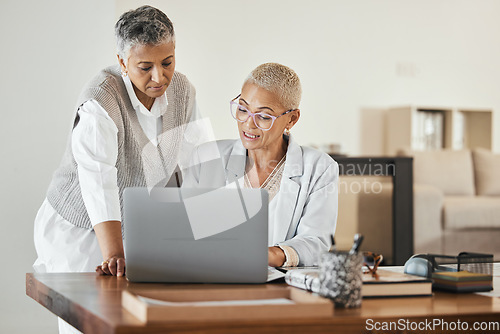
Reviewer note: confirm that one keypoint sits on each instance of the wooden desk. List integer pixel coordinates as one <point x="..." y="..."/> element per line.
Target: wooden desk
<point x="92" y="304"/>
<point x="400" y="169"/>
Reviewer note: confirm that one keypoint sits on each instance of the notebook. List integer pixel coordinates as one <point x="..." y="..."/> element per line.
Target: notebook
<point x="193" y="235"/>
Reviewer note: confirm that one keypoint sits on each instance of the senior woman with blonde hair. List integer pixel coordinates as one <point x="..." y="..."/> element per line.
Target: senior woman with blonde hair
<point x="301" y="181"/>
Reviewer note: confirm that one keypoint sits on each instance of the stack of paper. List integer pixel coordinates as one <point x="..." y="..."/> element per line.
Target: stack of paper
<point x="462" y="281"/>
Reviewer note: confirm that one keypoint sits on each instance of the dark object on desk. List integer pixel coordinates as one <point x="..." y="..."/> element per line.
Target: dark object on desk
<point x="400" y="169"/>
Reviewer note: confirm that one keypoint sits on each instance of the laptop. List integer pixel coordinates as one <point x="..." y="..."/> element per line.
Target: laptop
<point x="193" y="235"/>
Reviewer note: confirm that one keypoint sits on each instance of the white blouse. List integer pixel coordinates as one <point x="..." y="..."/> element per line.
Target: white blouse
<point x="64" y="247"/>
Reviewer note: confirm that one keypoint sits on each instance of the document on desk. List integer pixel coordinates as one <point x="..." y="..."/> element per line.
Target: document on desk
<point x="274" y="274"/>
<point x="273" y="301"/>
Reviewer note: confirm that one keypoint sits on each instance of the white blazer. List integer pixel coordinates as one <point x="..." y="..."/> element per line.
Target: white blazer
<point x="305" y="214"/>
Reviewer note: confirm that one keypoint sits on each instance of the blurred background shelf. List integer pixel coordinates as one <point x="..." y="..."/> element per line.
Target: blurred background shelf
<point x="422" y="128"/>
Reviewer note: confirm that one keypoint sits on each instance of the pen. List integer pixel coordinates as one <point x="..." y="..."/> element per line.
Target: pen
<point x="358" y="239"/>
<point x="332" y="247"/>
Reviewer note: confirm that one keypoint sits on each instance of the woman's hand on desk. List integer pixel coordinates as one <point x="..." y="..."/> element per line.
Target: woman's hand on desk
<point x="109" y="235"/>
<point x="114" y="266"/>
<point x="276" y="256"/>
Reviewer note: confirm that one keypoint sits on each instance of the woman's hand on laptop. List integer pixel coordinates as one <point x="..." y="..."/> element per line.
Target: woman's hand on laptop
<point x="276" y="256"/>
<point x="109" y="235"/>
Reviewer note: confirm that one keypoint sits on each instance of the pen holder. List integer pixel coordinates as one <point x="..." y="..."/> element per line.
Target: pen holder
<point x="340" y="276"/>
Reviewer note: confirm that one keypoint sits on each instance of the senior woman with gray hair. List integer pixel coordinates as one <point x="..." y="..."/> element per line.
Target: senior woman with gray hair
<point x="301" y="181"/>
<point x="129" y="130"/>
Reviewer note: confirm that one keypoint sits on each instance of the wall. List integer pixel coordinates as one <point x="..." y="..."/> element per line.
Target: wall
<point x="49" y="50"/>
<point x="352" y="57"/>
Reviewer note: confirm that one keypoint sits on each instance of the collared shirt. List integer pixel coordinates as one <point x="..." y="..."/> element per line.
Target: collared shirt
<point x="151" y="121"/>
<point x="64" y="247"/>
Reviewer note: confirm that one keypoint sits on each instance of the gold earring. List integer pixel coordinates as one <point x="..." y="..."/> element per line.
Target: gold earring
<point x="287" y="132"/>
<point x="124" y="73"/>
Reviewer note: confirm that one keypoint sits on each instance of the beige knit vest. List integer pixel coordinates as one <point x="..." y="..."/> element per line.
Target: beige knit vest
<point x="139" y="163"/>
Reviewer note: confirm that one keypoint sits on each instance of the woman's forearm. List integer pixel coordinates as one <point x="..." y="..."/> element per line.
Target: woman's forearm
<point x="109" y="236"/>
<point x="276" y="256"/>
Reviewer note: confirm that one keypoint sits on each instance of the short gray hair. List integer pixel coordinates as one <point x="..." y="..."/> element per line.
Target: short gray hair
<point x="145" y="25"/>
<point x="280" y="80"/>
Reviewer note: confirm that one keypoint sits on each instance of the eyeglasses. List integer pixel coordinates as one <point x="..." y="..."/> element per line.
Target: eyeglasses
<point x="372" y="261"/>
<point x="262" y="120"/>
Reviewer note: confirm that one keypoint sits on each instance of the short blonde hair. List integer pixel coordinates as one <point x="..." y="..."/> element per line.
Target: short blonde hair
<point x="280" y="80"/>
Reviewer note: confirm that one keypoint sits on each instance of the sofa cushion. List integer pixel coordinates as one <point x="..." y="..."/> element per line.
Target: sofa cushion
<point x="464" y="212"/>
<point x="450" y="171"/>
<point x="486" y="172"/>
<point x="427" y="214"/>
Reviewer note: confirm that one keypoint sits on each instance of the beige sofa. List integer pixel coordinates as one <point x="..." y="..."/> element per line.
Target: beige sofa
<point x="456" y="205"/>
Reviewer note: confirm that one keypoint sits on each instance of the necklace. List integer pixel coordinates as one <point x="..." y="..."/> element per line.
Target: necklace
<point x="269" y="177"/>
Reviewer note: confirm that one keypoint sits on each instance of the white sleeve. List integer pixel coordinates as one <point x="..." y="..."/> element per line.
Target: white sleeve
<point x="318" y="220"/>
<point x="95" y="149"/>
